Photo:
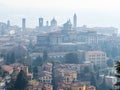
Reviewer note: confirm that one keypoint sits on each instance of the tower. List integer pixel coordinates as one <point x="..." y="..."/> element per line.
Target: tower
<point x="40" y="22"/>
<point x="47" y="23"/>
<point x="8" y="23"/>
<point x="67" y="26"/>
<point x="53" y="22"/>
<point x="23" y="24"/>
<point x="75" y="21"/>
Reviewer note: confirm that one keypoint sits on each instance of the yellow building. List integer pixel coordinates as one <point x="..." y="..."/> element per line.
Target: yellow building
<point x="78" y="87"/>
<point x="75" y="86"/>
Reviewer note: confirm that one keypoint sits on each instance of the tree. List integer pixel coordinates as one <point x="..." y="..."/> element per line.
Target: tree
<point x="10" y="58"/>
<point x="114" y="52"/>
<point x="35" y="71"/>
<point x="103" y="85"/>
<point x="21" y="81"/>
<point x="10" y="85"/>
<point x="117" y="67"/>
<point x="85" y="73"/>
<point x="45" y="55"/>
<point x="38" y="61"/>
<point x="93" y="80"/>
<point x="110" y="63"/>
<point x="1" y="71"/>
<point x="71" y="58"/>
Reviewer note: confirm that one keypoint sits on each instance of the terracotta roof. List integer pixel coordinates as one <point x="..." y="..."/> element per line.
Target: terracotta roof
<point x="7" y="68"/>
<point x="95" y="52"/>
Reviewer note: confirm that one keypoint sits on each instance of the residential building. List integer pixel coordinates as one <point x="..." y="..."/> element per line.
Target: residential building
<point x="98" y="58"/>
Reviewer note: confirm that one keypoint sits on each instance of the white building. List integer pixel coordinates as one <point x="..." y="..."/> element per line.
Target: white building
<point x="110" y="81"/>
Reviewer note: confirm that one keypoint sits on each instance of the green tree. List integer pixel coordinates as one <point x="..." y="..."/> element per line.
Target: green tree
<point x="85" y="73"/>
<point x="103" y="85"/>
<point x="45" y="55"/>
<point x="10" y="58"/>
<point x="10" y="85"/>
<point x="117" y="67"/>
<point x="93" y="80"/>
<point x="114" y="52"/>
<point x="71" y="58"/>
<point x="38" y="61"/>
<point x="35" y="71"/>
<point x="30" y="68"/>
<point x="21" y="81"/>
<point x="110" y="63"/>
<point x="1" y="71"/>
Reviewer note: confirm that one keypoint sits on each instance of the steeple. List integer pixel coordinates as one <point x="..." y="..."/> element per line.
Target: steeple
<point x="75" y="21"/>
<point x="23" y="24"/>
<point x="40" y="22"/>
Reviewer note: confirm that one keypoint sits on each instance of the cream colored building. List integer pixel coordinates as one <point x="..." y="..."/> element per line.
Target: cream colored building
<point x="76" y="86"/>
<point x="98" y="58"/>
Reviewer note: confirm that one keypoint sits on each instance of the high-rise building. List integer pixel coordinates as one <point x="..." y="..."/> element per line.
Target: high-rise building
<point x="40" y="22"/>
<point x="23" y="24"/>
<point x="74" y="21"/>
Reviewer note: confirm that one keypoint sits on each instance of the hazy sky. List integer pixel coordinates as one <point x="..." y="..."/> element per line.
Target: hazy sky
<point x="89" y="12"/>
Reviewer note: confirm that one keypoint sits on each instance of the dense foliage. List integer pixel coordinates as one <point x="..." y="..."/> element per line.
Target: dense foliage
<point x="71" y="58"/>
<point x="117" y="67"/>
<point x="21" y="81"/>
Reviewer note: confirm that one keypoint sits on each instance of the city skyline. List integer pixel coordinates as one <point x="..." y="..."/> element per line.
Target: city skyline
<point x="89" y="12"/>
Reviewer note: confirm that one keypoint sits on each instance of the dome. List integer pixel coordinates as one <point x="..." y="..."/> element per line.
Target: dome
<point x="53" y="22"/>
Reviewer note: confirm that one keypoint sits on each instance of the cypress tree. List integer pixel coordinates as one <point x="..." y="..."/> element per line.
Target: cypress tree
<point x="21" y="81"/>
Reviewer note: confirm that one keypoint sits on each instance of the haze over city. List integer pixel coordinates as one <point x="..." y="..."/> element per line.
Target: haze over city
<point x="90" y="12"/>
<point x="59" y="45"/>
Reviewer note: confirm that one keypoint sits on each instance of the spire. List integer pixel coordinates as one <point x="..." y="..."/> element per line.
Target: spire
<point x="75" y="21"/>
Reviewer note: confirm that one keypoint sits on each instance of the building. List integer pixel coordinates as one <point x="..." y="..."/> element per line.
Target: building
<point x="55" y="38"/>
<point x="7" y="69"/>
<point x="43" y="40"/>
<point x="46" y="67"/>
<point x="53" y="22"/>
<point x="110" y="81"/>
<point x="3" y="28"/>
<point x="34" y="85"/>
<point x="67" y="26"/>
<point x="40" y="22"/>
<point x="45" y="77"/>
<point x="17" y="67"/>
<point x="8" y="23"/>
<point x="98" y="58"/>
<point x="75" y="86"/>
<point x="45" y="73"/>
<point x="75" y="21"/>
<point x="23" y="24"/>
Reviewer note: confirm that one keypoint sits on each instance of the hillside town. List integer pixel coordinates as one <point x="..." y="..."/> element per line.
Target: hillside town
<point x="53" y="57"/>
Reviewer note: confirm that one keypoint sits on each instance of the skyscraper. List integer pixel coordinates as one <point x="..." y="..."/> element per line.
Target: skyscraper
<point x="23" y="24"/>
<point x="40" y="22"/>
<point x="74" y="21"/>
